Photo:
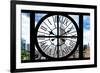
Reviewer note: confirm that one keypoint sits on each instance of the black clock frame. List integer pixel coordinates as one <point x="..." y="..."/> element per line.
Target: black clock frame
<point x="38" y="25"/>
<point x="13" y="35"/>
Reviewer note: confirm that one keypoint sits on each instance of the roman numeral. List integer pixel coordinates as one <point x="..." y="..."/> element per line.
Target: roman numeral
<point x="66" y="21"/>
<point x="66" y="50"/>
<point x="72" y="44"/>
<point x="44" y="45"/>
<point x="54" y="53"/>
<point x="43" y="28"/>
<point x="49" y="22"/>
<point x="49" y="52"/>
<point x="61" y="19"/>
<point x="54" y="20"/>
<point x="63" y="53"/>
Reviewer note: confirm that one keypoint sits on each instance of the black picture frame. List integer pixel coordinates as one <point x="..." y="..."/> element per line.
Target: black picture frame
<point x="13" y="36"/>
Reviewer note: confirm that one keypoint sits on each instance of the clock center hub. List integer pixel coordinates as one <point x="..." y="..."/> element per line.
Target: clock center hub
<point x="56" y="40"/>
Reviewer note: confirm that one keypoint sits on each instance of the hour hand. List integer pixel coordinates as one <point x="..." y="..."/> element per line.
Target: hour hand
<point x="63" y="40"/>
<point x="52" y="33"/>
<point x="68" y="31"/>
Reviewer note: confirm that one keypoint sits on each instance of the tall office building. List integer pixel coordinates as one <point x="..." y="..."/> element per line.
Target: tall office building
<point x="28" y="47"/>
<point x="23" y="44"/>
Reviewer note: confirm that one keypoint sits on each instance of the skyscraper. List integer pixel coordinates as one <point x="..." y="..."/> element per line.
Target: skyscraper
<point x="23" y="44"/>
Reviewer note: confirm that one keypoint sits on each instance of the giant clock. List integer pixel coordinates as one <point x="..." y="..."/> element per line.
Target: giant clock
<point x="56" y="36"/>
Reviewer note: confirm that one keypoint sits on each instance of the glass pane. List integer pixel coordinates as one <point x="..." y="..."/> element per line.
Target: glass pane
<point x="25" y="36"/>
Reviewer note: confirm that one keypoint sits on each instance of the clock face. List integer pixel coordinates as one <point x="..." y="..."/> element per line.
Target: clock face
<point x="57" y="36"/>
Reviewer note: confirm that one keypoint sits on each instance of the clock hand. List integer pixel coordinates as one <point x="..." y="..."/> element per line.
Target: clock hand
<point x="67" y="31"/>
<point x="52" y="33"/>
<point x="52" y="39"/>
<point x="63" y="40"/>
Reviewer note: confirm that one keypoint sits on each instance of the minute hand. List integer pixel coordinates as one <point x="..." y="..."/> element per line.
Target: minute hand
<point x="67" y="31"/>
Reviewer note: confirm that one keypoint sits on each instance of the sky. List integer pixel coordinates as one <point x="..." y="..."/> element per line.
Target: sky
<point x="86" y="29"/>
<point x="38" y="16"/>
<point x="25" y="27"/>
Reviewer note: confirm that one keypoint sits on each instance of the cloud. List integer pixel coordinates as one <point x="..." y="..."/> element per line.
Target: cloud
<point x="86" y="22"/>
<point x="86" y="30"/>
